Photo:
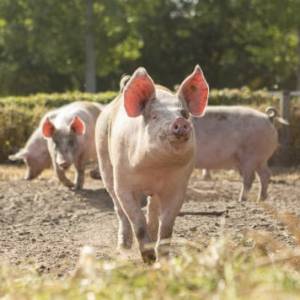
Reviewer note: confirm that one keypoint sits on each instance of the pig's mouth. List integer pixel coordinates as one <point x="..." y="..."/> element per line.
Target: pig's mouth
<point x="176" y="139"/>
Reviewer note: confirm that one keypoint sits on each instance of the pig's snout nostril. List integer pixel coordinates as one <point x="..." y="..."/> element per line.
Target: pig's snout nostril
<point x="181" y="127"/>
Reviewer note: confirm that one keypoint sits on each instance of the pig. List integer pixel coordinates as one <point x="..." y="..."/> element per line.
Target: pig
<point x="35" y="154"/>
<point x="145" y="146"/>
<point x="70" y="138"/>
<point x="237" y="137"/>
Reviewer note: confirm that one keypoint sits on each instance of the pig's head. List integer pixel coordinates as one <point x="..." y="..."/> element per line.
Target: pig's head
<point x="35" y="163"/>
<point x="64" y="142"/>
<point x="166" y="116"/>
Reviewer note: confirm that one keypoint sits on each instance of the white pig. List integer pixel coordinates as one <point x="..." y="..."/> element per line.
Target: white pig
<point x="237" y="137"/>
<point x="35" y="154"/>
<point x="71" y="139"/>
<point x="145" y="145"/>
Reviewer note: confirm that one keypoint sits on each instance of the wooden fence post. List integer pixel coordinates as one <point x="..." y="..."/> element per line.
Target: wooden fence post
<point x="285" y="132"/>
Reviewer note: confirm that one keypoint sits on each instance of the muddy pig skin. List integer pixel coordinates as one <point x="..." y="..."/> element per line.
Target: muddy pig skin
<point x="236" y="137"/>
<point x="70" y="136"/>
<point x="145" y="146"/>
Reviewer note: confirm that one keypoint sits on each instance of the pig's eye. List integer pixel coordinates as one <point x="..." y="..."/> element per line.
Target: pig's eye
<point x="154" y="116"/>
<point x="185" y="113"/>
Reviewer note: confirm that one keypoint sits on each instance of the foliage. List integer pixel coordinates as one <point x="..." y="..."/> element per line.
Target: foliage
<point x="244" y="42"/>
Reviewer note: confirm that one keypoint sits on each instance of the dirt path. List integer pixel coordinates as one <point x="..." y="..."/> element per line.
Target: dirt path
<point x="45" y="224"/>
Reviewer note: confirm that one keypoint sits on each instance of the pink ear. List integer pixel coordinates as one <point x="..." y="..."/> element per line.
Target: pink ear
<point x="139" y="89"/>
<point x="48" y="128"/>
<point x="77" y="126"/>
<point x="194" y="90"/>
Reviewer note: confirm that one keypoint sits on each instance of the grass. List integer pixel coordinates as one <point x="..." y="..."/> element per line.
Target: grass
<point x="222" y="271"/>
<point x="259" y="267"/>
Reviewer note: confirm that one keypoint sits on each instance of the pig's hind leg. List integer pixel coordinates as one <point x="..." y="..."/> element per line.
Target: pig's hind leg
<point x="247" y="172"/>
<point x="264" y="175"/>
<point x="124" y="231"/>
<point x="125" y="236"/>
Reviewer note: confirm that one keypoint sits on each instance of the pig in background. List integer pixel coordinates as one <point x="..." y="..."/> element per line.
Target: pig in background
<point x="63" y="143"/>
<point x="35" y="154"/>
<point x="71" y="139"/>
<point x="237" y="137"/>
<point x="145" y="145"/>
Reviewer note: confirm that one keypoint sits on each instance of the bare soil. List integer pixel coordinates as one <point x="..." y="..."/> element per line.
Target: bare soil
<point x="44" y="225"/>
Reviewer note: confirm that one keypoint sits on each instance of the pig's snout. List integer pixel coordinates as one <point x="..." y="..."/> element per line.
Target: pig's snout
<point x="181" y="128"/>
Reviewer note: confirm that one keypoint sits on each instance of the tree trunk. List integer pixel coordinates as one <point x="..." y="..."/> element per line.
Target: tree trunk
<point x="90" y="54"/>
<point x="298" y="70"/>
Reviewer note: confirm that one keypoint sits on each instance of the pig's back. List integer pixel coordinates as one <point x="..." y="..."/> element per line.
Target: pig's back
<point x="65" y="114"/>
<point x="225" y="134"/>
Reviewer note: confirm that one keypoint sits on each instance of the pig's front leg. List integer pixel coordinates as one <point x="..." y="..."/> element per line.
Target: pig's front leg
<point x="79" y="173"/>
<point x="170" y="204"/>
<point x="132" y="208"/>
<point x="61" y="176"/>
<point x="152" y="217"/>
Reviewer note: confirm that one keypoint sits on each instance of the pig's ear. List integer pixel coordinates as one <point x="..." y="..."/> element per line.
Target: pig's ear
<point x="194" y="90"/>
<point x="138" y="90"/>
<point x="77" y="126"/>
<point x="48" y="128"/>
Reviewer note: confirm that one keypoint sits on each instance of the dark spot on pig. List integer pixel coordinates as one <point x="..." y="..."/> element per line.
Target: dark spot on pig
<point x="140" y="234"/>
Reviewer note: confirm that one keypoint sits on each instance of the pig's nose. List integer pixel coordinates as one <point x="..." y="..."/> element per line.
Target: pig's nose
<point x="181" y="127"/>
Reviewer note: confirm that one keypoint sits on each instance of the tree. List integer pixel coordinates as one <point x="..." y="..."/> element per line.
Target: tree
<point x="48" y="45"/>
<point x="90" y="55"/>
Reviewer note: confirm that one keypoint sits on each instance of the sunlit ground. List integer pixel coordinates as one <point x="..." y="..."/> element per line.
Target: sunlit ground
<point x="290" y="175"/>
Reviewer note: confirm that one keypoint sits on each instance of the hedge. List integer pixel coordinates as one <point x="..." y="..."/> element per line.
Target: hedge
<point x="20" y="115"/>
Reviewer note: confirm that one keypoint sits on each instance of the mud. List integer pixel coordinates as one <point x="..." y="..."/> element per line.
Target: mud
<point x="44" y="225"/>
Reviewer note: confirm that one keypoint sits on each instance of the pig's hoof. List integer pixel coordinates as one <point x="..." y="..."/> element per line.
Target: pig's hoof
<point x="149" y="256"/>
<point x="68" y="184"/>
<point x="95" y="174"/>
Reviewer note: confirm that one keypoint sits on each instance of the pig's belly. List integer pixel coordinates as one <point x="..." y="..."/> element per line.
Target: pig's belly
<point x="217" y="160"/>
<point x="155" y="181"/>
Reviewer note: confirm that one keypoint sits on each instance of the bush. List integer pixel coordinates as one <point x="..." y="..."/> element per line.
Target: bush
<point x="20" y="115"/>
